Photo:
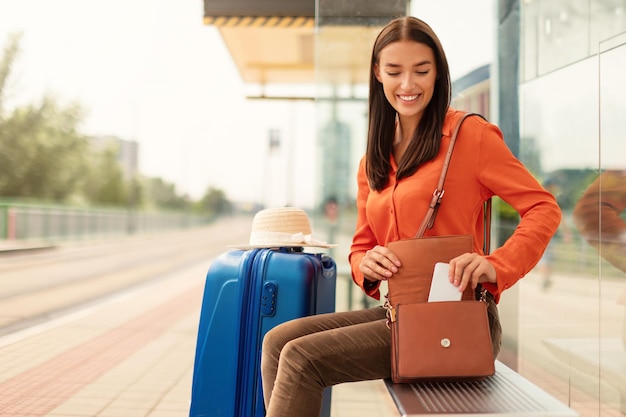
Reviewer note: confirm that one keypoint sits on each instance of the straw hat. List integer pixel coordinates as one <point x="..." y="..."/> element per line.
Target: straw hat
<point x="281" y="227"/>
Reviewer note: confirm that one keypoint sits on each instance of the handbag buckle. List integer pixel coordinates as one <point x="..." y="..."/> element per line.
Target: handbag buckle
<point x="483" y="294"/>
<point x="391" y="312"/>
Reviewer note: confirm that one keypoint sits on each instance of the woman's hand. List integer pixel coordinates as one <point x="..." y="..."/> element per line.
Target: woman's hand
<point x="470" y="269"/>
<point x="379" y="264"/>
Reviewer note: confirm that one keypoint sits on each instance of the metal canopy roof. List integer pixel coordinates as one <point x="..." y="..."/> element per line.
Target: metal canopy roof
<point x="274" y="42"/>
<point x="216" y="8"/>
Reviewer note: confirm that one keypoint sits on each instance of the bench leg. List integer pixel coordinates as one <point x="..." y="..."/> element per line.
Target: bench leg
<point x="350" y="296"/>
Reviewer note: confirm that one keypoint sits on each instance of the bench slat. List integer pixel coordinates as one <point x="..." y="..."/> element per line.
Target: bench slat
<point x="505" y="394"/>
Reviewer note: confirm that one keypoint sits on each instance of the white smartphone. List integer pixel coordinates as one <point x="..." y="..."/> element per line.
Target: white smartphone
<point x="441" y="289"/>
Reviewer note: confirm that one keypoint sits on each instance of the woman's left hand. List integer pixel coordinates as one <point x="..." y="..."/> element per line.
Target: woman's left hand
<point x="470" y="269"/>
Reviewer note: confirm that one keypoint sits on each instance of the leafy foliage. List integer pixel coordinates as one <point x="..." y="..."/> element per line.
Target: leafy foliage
<point x="214" y="202"/>
<point x="43" y="156"/>
<point x="104" y="182"/>
<point x="163" y="194"/>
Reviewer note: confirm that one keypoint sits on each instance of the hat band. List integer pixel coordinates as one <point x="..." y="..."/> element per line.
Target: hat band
<point x="281" y="238"/>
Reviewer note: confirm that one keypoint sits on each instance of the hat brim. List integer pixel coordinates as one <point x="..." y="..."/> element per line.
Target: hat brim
<point x="283" y="245"/>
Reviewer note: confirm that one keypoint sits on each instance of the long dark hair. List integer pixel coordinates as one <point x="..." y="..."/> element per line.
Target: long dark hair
<point x="426" y="140"/>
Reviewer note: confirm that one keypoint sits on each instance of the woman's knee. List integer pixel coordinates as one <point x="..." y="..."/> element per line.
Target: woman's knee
<point x="296" y="358"/>
<point x="277" y="337"/>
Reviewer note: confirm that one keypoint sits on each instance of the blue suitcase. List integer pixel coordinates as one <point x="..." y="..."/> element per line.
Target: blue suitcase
<point x="246" y="294"/>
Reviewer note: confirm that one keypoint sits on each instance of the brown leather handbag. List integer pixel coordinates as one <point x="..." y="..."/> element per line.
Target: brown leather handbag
<point x="445" y="340"/>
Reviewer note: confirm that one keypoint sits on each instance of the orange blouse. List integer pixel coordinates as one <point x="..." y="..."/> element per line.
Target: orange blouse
<point x="482" y="166"/>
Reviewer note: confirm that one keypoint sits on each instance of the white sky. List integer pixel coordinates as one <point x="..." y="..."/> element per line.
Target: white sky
<point x="149" y="70"/>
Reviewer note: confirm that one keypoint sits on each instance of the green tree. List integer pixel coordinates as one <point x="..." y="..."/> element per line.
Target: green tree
<point x="105" y="183"/>
<point x="42" y="154"/>
<point x="214" y="203"/>
<point x="11" y="51"/>
<point x="162" y="194"/>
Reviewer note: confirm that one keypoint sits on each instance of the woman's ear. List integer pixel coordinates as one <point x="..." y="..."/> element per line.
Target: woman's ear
<point x="377" y="73"/>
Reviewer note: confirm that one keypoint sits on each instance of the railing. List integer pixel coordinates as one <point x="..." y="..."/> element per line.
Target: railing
<point x="20" y="221"/>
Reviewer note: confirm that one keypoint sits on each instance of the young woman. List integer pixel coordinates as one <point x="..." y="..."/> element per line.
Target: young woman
<point x="410" y="124"/>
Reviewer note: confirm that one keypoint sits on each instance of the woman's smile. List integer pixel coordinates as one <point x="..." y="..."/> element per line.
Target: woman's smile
<point x="408" y="98"/>
<point x="407" y="71"/>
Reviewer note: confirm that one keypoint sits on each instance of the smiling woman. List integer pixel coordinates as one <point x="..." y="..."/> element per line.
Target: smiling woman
<point x="405" y="68"/>
<point x="408" y="72"/>
<point x="409" y="92"/>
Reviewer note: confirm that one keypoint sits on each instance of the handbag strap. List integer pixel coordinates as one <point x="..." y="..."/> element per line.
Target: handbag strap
<point x="429" y="218"/>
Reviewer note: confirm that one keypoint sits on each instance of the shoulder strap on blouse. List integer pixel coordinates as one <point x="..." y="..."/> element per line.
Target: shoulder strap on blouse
<point x="429" y="219"/>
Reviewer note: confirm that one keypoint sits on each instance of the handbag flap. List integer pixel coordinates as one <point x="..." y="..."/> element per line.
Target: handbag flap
<point x="411" y="284"/>
<point x="442" y="340"/>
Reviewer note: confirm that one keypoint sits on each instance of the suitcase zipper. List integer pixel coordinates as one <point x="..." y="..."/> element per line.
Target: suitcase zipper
<point x="248" y="326"/>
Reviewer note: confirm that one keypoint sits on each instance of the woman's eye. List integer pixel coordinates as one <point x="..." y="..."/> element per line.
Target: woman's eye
<point x="422" y="72"/>
<point x="393" y="74"/>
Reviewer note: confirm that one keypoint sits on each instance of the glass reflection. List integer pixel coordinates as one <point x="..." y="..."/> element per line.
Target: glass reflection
<point x="573" y="308"/>
<point x="560" y="32"/>
<point x="566" y="323"/>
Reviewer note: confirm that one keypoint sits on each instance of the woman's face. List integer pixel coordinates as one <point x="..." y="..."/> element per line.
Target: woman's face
<point x="408" y="72"/>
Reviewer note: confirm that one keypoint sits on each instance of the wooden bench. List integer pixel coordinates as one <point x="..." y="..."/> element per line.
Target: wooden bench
<point x="506" y="394"/>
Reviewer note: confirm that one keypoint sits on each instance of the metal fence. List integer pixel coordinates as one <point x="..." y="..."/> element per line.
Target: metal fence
<point x="52" y="223"/>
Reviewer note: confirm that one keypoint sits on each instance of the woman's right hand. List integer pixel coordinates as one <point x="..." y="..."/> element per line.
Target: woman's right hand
<point x="379" y="264"/>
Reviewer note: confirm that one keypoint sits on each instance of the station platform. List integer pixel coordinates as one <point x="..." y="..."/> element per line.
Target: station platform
<point x="129" y="356"/>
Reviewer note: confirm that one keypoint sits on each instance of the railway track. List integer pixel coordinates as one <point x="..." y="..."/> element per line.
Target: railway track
<point x="46" y="284"/>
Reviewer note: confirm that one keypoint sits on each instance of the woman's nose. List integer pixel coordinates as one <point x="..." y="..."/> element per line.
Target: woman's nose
<point x="407" y="81"/>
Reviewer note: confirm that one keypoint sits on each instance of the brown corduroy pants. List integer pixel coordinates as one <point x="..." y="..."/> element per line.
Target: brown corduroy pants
<point x="302" y="356"/>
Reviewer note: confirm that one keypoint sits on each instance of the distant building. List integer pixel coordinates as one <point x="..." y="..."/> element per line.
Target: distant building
<point x="472" y="91"/>
<point x="127" y="152"/>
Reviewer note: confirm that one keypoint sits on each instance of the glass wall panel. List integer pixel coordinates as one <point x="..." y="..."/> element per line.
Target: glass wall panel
<point x="529" y="39"/>
<point x="344" y="37"/>
<point x="608" y="196"/>
<point x="557" y="33"/>
<point x="567" y="328"/>
<point x="573" y="304"/>
<point x="559" y="299"/>
<point x="608" y="20"/>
